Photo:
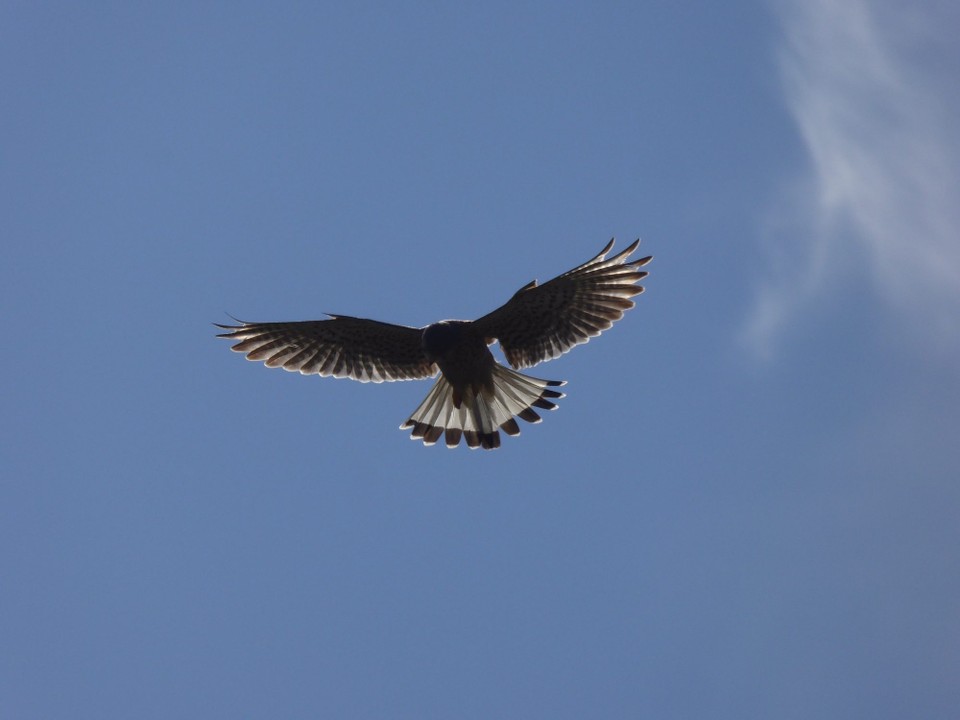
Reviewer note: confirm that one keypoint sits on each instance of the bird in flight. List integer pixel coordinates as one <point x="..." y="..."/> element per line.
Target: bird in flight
<point x="475" y="396"/>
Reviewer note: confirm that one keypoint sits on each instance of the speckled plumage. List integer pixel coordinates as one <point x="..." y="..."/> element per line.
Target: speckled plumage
<point x="475" y="396"/>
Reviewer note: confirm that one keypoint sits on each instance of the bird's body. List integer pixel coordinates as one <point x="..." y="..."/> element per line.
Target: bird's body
<point x="475" y="397"/>
<point x="462" y="356"/>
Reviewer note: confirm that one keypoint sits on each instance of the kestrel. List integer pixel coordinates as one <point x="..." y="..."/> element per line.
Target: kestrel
<point x="475" y="396"/>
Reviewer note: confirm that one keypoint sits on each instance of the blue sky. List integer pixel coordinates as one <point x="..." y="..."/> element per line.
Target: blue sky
<point x="746" y="506"/>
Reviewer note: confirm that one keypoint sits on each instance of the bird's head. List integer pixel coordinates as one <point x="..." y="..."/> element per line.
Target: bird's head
<point x="438" y="339"/>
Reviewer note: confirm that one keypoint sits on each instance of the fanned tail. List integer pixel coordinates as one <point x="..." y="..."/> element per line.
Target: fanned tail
<point x="482" y="413"/>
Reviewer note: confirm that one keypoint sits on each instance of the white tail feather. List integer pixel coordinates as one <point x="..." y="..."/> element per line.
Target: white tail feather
<point x="481" y="415"/>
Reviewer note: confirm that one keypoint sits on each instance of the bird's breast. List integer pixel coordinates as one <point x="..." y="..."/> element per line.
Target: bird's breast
<point x="461" y="355"/>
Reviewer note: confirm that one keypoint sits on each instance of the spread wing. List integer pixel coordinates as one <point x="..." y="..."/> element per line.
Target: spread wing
<point x="541" y="322"/>
<point x="365" y="350"/>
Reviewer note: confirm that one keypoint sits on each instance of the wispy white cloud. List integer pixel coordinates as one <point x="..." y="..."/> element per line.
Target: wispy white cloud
<point x="869" y="86"/>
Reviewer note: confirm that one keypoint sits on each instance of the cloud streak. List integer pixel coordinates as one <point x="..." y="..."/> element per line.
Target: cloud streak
<point x="861" y="83"/>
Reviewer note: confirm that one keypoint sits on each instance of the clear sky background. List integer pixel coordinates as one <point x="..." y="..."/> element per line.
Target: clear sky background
<point x="746" y="507"/>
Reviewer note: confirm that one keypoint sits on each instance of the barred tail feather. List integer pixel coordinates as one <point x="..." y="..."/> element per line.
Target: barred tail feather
<point x="482" y="414"/>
